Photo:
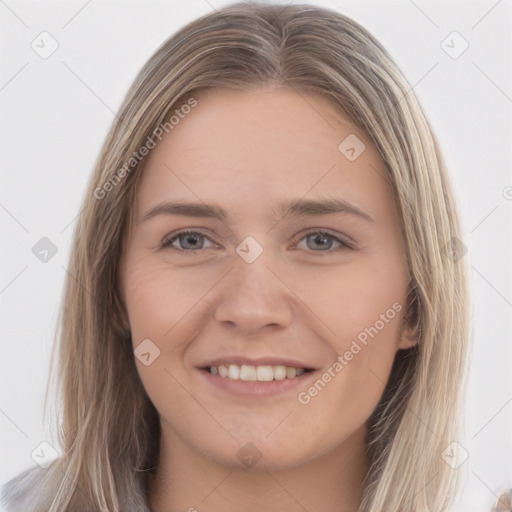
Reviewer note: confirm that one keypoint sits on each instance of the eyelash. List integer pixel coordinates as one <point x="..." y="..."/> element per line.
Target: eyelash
<point x="167" y="243"/>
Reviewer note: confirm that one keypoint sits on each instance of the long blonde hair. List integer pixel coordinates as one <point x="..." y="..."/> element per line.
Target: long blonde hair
<point x="109" y="429"/>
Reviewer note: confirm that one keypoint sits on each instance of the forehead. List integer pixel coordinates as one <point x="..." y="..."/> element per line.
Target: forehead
<point x="249" y="149"/>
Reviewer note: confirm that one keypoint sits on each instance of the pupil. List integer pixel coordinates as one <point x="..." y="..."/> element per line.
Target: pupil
<point x="320" y="240"/>
<point x="193" y="238"/>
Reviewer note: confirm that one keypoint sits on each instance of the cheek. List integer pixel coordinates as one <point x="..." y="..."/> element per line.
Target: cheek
<point x="166" y="306"/>
<point x="354" y="298"/>
<point x="157" y="297"/>
<point x="363" y="307"/>
<point x="366" y="323"/>
<point x="346" y="398"/>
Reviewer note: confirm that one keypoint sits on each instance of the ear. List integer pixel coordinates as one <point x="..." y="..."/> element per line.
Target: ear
<point x="410" y="332"/>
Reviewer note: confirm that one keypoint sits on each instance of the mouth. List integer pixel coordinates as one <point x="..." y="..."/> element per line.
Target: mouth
<point x="260" y="373"/>
<point x="258" y="379"/>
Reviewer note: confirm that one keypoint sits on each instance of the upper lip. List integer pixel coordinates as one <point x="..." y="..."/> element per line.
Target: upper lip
<point x="260" y="361"/>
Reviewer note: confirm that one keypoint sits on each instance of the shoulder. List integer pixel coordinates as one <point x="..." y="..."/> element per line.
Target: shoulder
<point x="19" y="494"/>
<point x="34" y="490"/>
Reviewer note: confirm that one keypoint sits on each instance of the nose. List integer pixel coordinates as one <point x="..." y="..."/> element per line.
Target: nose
<point x="254" y="297"/>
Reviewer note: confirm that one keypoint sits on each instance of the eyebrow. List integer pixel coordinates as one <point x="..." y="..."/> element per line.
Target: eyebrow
<point x="299" y="208"/>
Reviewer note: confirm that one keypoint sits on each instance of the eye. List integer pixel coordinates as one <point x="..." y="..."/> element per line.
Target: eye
<point x="324" y="241"/>
<point x="192" y="239"/>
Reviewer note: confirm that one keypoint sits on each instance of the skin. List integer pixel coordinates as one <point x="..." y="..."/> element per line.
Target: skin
<point x="247" y="151"/>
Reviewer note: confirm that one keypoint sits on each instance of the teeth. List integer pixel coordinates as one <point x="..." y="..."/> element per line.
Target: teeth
<point x="248" y="373"/>
<point x="234" y="371"/>
<point x="279" y="372"/>
<point x="260" y="373"/>
<point x="265" y="373"/>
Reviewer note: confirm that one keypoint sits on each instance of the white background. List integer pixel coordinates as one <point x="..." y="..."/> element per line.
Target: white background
<point x="55" y="113"/>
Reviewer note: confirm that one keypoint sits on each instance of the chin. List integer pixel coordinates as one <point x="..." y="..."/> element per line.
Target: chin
<point x="257" y="454"/>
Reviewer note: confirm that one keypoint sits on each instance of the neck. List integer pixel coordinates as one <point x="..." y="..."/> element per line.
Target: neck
<point x="188" y="481"/>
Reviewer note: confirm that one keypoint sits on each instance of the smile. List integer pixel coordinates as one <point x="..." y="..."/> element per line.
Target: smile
<point x="263" y="373"/>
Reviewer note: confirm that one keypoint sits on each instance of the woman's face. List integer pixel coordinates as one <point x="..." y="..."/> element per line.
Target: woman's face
<point x="321" y="290"/>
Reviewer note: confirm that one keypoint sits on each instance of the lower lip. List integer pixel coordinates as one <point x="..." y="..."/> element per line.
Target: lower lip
<point x="255" y="387"/>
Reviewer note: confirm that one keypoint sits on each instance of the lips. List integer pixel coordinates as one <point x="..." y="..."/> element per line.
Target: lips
<point x="269" y="361"/>
<point x="262" y="370"/>
<point x="271" y="380"/>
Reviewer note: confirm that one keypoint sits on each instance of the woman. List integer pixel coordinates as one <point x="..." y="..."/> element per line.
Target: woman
<point x="266" y="304"/>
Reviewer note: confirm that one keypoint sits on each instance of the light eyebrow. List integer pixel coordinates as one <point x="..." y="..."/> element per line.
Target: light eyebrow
<point x="198" y="210"/>
<point x="299" y="208"/>
<point x="304" y="207"/>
